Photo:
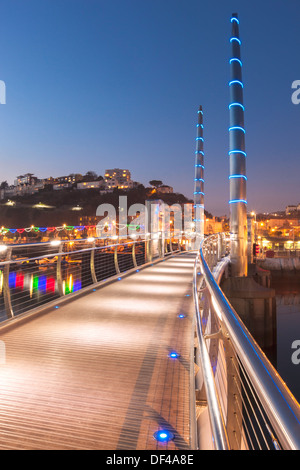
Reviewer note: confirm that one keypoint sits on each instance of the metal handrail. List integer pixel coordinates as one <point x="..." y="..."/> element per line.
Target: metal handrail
<point x="63" y="253"/>
<point x="138" y="237"/>
<point x="280" y="406"/>
<point x="216" y="417"/>
<point x="61" y="242"/>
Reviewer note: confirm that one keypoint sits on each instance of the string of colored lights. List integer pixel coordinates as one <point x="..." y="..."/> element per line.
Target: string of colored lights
<point x="79" y="228"/>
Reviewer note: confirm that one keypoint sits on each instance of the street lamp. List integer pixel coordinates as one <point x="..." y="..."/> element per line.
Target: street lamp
<point x="254" y="215"/>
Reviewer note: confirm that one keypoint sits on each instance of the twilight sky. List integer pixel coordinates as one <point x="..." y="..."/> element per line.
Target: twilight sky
<point x="94" y="84"/>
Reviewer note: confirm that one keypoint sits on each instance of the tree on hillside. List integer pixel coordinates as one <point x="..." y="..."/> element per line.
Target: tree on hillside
<point x="156" y="183"/>
<point x="90" y="176"/>
<point x="4" y="185"/>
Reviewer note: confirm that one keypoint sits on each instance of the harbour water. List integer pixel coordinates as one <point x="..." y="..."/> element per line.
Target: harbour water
<point x="287" y="287"/>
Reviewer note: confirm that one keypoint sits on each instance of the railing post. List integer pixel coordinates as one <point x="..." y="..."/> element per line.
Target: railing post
<point x="165" y="246"/>
<point x="133" y="255"/>
<point x="215" y="412"/>
<point x="161" y="252"/>
<point x="116" y="259"/>
<point x="214" y="253"/>
<point x="92" y="263"/>
<point x="211" y="254"/>
<point x="6" y="290"/>
<point x="220" y="251"/>
<point x="148" y="249"/>
<point x="234" y="416"/>
<point x="58" y="271"/>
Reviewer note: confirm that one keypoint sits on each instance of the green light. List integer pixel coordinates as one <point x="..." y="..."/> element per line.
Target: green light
<point x="35" y="283"/>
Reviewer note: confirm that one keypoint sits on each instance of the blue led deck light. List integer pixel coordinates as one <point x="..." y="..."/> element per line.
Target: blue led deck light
<point x="234" y="19"/>
<point x="174" y="355"/>
<point x="163" y="435"/>
<point x="181" y="315"/>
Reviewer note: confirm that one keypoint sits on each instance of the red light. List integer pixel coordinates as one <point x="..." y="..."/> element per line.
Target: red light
<point x="50" y="285"/>
<point x="19" y="281"/>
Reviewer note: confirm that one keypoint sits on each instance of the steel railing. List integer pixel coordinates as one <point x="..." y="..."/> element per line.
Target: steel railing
<point x="36" y="274"/>
<point x="249" y="405"/>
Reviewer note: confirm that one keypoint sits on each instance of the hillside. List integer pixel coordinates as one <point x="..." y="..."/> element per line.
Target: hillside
<point x="54" y="208"/>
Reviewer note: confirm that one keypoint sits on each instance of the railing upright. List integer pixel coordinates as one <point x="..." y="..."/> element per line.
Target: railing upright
<point x="92" y="263"/>
<point x="58" y="270"/>
<point x="6" y="288"/>
<point x="116" y="259"/>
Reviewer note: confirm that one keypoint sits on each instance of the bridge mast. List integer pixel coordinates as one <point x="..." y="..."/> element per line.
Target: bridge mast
<point x="199" y="182"/>
<point x="237" y="157"/>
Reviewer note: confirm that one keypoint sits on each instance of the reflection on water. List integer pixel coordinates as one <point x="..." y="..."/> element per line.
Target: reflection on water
<point x="287" y="288"/>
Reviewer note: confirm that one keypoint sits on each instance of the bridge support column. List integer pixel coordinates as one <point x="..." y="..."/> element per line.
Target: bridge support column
<point x="199" y="183"/>
<point x="256" y="306"/>
<point x="237" y="156"/>
<point x="253" y="302"/>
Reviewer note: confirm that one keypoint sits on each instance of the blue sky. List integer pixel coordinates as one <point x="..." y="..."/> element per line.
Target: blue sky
<point x="94" y="84"/>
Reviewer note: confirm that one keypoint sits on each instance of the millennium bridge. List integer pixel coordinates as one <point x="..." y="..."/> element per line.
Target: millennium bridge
<point x="123" y="346"/>
<point x="149" y="343"/>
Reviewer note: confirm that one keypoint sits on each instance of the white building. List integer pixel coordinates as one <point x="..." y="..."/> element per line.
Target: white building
<point x="290" y="209"/>
<point x="27" y="179"/>
<point x="118" y="178"/>
<point x="165" y="189"/>
<point x="122" y="176"/>
<point x="59" y="186"/>
<point x="90" y="185"/>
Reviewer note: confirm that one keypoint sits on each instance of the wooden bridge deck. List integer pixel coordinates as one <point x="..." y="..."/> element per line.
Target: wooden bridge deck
<point x="96" y="373"/>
